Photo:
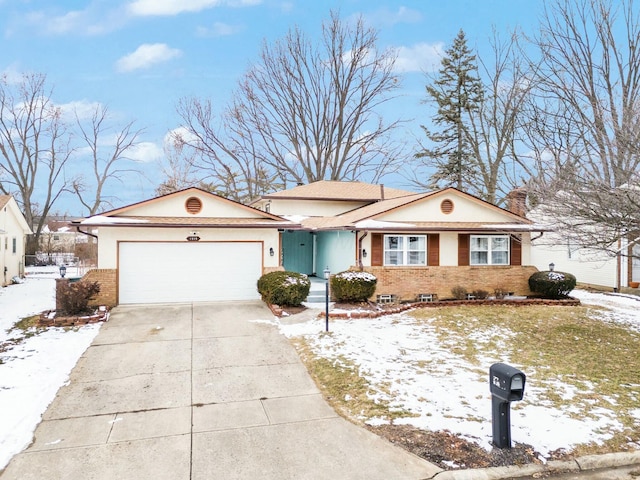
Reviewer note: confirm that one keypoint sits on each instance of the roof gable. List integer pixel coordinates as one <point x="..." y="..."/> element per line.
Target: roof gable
<point x="191" y="207"/>
<point x="446" y="209"/>
<point x="9" y="203"/>
<point x="190" y="203"/>
<point x="449" y="205"/>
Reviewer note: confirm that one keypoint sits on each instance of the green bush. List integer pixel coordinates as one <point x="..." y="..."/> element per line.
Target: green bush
<point x="353" y="286"/>
<point x="74" y="297"/>
<point x="552" y="284"/>
<point x="284" y="288"/>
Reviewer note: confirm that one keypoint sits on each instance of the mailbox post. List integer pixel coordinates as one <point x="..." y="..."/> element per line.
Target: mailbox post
<point x="507" y="385"/>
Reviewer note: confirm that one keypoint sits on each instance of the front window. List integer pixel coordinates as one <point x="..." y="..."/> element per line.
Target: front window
<point x="490" y="250"/>
<point x="14" y="245"/>
<point x="405" y="250"/>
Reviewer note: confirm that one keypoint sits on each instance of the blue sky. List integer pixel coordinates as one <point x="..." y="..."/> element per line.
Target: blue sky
<point x="139" y="57"/>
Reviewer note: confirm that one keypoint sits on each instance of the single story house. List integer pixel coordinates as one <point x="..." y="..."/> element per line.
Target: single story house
<point x="418" y="245"/>
<point x="13" y="238"/>
<point x="193" y="245"/>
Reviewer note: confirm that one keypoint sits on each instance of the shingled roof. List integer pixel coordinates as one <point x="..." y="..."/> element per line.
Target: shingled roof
<point x="341" y="191"/>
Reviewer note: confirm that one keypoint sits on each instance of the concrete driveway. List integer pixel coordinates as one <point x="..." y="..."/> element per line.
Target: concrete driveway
<point x="202" y="391"/>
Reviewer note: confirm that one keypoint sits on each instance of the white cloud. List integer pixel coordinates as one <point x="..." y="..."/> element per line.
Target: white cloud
<point x="421" y="57"/>
<point x="83" y="108"/>
<point x="179" y="135"/>
<point x="12" y="75"/>
<point x="147" y="55"/>
<point x="219" y="29"/>
<point x="145" y="8"/>
<point x="145" y="152"/>
<point x="93" y="20"/>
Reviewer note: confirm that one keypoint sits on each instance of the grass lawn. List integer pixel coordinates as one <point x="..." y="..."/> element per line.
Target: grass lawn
<point x="582" y="366"/>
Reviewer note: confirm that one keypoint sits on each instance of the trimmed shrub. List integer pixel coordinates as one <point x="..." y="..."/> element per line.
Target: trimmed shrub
<point x="480" y="294"/>
<point x="459" y="292"/>
<point x="552" y="285"/>
<point x="74" y="297"/>
<point x="284" y="288"/>
<point x="352" y="286"/>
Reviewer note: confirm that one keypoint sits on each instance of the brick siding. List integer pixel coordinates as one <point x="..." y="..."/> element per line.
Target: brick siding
<point x="107" y="278"/>
<point x="408" y="282"/>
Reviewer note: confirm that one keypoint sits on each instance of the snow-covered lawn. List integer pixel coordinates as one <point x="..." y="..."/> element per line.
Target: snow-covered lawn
<point x="410" y="368"/>
<point x="33" y="364"/>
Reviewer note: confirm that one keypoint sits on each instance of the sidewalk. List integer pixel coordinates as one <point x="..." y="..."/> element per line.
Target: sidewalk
<point x="198" y="392"/>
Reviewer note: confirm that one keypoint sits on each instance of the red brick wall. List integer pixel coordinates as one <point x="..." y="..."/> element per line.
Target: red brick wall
<point x="408" y="282"/>
<point x="108" y="280"/>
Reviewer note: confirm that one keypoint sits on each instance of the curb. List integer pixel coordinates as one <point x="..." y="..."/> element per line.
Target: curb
<point x="580" y="464"/>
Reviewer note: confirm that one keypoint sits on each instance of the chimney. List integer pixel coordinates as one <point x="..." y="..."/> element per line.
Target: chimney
<point x="381" y="191"/>
<point x="517" y="201"/>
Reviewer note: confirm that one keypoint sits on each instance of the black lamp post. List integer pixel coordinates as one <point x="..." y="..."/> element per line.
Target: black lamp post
<point x="327" y="276"/>
<point x="63" y="270"/>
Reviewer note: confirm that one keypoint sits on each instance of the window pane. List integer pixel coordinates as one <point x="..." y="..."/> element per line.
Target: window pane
<point x="499" y="258"/>
<point x="479" y="243"/>
<point x="392" y="258"/>
<point x="392" y="243"/>
<point x="479" y="258"/>
<point x="416" y="258"/>
<point x="499" y="243"/>
<point x="417" y="243"/>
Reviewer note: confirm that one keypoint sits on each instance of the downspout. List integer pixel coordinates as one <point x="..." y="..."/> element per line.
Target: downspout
<point x="360" y="265"/>
<point x="536" y="238"/>
<point x="86" y="233"/>
<point x="618" y="266"/>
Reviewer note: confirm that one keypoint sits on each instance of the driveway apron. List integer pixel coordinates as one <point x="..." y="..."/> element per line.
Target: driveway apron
<point x="200" y="391"/>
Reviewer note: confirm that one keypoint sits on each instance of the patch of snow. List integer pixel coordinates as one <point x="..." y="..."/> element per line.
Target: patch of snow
<point x="365" y="224"/>
<point x="101" y="219"/>
<point x="32" y="369"/>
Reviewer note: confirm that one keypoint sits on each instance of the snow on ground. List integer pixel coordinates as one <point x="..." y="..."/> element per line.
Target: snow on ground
<point x="445" y="392"/>
<point x="32" y="368"/>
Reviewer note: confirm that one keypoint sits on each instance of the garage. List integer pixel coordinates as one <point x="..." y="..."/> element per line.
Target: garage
<point x="176" y="272"/>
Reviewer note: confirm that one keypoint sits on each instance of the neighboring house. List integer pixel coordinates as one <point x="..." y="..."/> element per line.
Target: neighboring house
<point x="192" y="245"/>
<point x="187" y="246"/>
<point x="591" y="267"/>
<point x="13" y="234"/>
<point x="417" y="245"/>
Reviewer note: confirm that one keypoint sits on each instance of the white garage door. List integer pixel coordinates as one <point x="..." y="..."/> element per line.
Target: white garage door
<point x="188" y="272"/>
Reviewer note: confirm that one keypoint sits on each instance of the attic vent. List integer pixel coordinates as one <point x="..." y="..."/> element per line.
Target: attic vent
<point x="193" y="205"/>
<point x="446" y="207"/>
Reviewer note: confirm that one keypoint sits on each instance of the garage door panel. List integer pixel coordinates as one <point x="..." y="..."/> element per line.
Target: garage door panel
<point x="165" y="272"/>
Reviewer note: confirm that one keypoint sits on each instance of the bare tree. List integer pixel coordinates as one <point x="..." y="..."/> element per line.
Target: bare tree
<point x="223" y="152"/>
<point x="585" y="125"/>
<point x="108" y="153"/>
<point x="34" y="149"/>
<point x="493" y="128"/>
<point x="179" y="170"/>
<point x="302" y="113"/>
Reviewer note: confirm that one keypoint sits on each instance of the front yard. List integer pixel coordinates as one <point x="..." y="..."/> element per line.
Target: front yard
<point x="421" y="378"/>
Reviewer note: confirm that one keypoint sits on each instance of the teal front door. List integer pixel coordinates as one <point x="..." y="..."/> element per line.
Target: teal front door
<point x="297" y="252"/>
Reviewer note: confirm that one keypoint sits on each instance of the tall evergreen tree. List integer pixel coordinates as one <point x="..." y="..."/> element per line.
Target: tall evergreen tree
<point x="458" y="92"/>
